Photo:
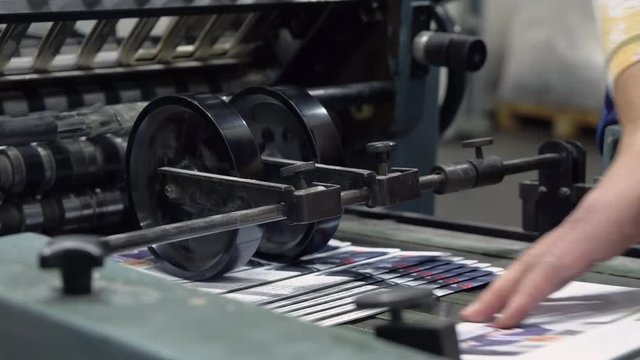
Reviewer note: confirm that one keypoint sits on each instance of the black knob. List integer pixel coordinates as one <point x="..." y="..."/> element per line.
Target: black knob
<point x="75" y="256"/>
<point x="433" y="334"/>
<point x="396" y="300"/>
<point x="478" y="144"/>
<point x="381" y="147"/>
<point x="382" y="151"/>
<point x="454" y="51"/>
<point x="298" y="171"/>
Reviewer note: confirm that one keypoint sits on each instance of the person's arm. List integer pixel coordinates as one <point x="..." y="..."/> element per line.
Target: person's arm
<point x="607" y="220"/>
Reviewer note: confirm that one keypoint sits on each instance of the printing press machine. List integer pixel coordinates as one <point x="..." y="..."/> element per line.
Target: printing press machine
<point x="211" y="131"/>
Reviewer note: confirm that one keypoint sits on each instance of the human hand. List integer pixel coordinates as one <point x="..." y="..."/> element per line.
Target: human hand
<point x="605" y="224"/>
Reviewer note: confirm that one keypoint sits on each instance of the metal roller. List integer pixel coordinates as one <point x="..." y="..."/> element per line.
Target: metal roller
<point x="64" y="164"/>
<point x="55" y="214"/>
<point x="194" y="132"/>
<point x="289" y="123"/>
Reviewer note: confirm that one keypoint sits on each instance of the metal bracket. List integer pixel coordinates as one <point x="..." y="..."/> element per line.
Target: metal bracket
<point x="346" y="178"/>
<point x="400" y="185"/>
<point x="198" y="189"/>
<point x="547" y="201"/>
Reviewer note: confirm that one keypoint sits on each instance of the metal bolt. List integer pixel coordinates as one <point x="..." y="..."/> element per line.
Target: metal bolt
<point x="297" y="171"/>
<point x="382" y="150"/>
<point x="564" y="192"/>
<point x="301" y="182"/>
<point x="172" y="191"/>
<point x="542" y="190"/>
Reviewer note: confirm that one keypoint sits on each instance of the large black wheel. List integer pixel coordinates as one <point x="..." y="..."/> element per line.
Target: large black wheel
<point x="194" y="132"/>
<point x="287" y="122"/>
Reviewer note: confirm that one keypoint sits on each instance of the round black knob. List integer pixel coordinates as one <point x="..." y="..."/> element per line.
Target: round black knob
<point x="75" y="256"/>
<point x="476" y="51"/>
<point x="296" y="169"/>
<point x="455" y="51"/>
<point x="400" y="298"/>
<point x="396" y="299"/>
<point x="381" y="147"/>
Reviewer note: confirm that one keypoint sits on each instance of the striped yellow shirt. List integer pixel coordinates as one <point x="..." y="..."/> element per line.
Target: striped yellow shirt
<point x="619" y="23"/>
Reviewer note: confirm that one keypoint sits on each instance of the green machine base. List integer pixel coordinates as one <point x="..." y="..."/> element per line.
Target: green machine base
<point x="131" y="315"/>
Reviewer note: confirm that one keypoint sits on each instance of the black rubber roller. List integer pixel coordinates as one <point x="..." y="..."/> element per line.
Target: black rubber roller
<point x="194" y="132"/>
<point x="287" y="122"/>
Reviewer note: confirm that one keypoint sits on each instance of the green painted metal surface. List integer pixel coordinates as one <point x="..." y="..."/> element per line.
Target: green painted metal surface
<point x="495" y="250"/>
<point x="619" y="271"/>
<point x="132" y="315"/>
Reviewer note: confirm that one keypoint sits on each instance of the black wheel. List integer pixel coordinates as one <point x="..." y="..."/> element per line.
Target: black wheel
<point x="287" y="122"/>
<point x="194" y="132"/>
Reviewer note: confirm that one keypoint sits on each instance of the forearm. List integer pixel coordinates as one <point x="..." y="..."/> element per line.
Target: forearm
<point x="619" y="27"/>
<point x="607" y="220"/>
<point x="627" y="100"/>
<point x="614" y="204"/>
<point x="619" y="23"/>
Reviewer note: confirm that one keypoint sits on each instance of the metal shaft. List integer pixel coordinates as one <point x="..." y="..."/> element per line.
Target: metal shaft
<point x="193" y="228"/>
<point x="430" y="182"/>
<point x="119" y="118"/>
<point x="355" y="197"/>
<point x="336" y="97"/>
<point x="265" y="214"/>
<point x="211" y="224"/>
<point x="532" y="163"/>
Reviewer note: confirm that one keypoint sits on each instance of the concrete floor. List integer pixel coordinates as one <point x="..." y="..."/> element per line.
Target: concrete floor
<point x="500" y="204"/>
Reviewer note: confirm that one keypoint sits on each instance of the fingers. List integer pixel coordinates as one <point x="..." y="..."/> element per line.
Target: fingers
<point x="543" y="278"/>
<point x="495" y="297"/>
<point x="538" y="273"/>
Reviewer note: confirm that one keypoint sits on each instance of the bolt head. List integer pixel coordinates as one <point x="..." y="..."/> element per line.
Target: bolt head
<point x="172" y="191"/>
<point x="564" y="192"/>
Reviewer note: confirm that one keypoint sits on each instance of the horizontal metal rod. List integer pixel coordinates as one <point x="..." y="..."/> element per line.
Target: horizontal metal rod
<point x="192" y="228"/>
<point x="336" y="97"/>
<point x="355" y="197"/>
<point x="57" y="124"/>
<point x="24" y="11"/>
<point x="430" y="182"/>
<point x="211" y="225"/>
<point x="341" y="96"/>
<point x="532" y="163"/>
<point x="265" y="214"/>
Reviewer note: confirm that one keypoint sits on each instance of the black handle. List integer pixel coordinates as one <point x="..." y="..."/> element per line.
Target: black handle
<point x="454" y="51"/>
<point x="459" y="53"/>
<point x="435" y="335"/>
<point x="396" y="300"/>
<point x="75" y="256"/>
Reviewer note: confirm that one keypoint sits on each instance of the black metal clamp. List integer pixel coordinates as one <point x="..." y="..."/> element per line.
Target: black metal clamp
<point x="548" y="200"/>
<point x="481" y="171"/>
<point x="437" y="336"/>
